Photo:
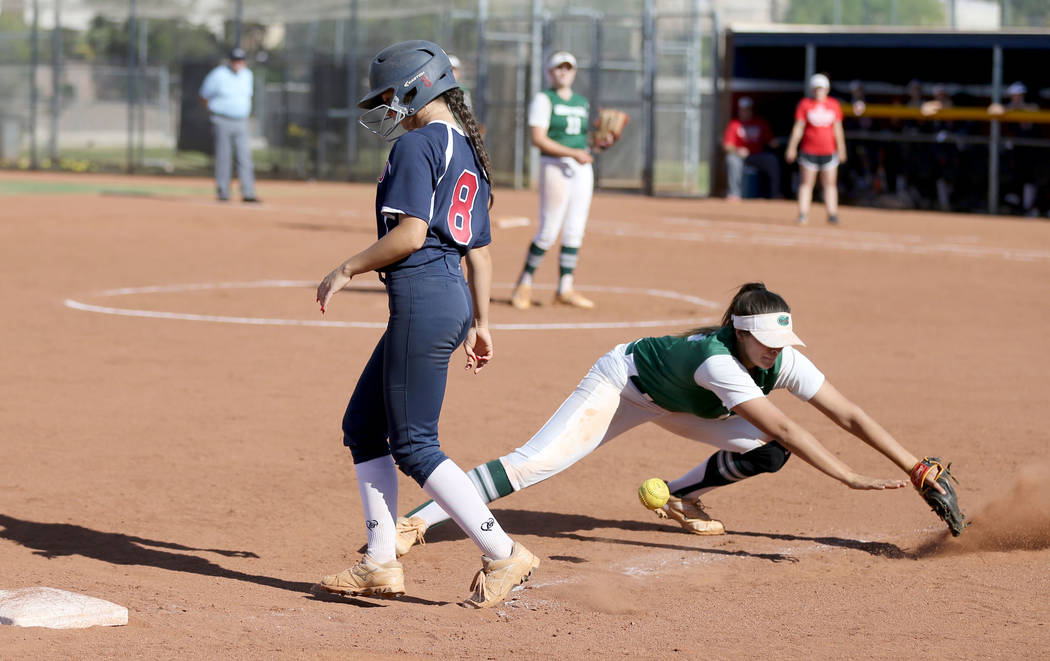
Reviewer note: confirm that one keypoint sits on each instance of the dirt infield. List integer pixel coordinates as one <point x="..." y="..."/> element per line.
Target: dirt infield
<point x="183" y="458"/>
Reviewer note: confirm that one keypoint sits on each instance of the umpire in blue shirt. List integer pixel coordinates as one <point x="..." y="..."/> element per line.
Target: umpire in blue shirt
<point x="226" y="93"/>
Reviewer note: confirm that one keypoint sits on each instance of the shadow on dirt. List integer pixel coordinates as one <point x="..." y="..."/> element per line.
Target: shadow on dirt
<point x="881" y="549"/>
<point x="318" y="594"/>
<point x="52" y="540"/>
<point x="568" y="526"/>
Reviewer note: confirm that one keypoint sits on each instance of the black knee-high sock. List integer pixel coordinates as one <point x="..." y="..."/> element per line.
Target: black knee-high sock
<point x="724" y="467"/>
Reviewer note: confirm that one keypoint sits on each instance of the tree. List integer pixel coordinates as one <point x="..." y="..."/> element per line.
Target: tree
<point x="868" y="12"/>
<point x="168" y="40"/>
<point x="1026" y="13"/>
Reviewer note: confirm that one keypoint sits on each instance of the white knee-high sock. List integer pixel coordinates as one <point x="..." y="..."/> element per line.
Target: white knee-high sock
<point x="489" y="479"/>
<point x="450" y="488"/>
<point x="565" y="283"/>
<point x="377" y="482"/>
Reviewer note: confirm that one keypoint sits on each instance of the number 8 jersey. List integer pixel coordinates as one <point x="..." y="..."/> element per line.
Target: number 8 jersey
<point x="432" y="173"/>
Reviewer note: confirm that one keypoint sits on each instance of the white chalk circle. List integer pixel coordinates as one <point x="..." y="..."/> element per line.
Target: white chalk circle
<point x="274" y="284"/>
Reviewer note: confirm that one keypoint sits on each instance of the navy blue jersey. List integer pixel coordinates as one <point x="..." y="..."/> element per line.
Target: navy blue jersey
<point x="433" y="174"/>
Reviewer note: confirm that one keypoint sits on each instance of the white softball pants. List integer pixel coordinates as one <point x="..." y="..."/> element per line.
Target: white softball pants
<point x="566" y="188"/>
<point x="605" y="405"/>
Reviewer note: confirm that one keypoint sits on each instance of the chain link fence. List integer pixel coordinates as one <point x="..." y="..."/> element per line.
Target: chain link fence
<point x="114" y="87"/>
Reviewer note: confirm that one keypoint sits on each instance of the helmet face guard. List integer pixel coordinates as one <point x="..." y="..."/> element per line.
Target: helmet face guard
<point x="385" y="119"/>
<point x="417" y="72"/>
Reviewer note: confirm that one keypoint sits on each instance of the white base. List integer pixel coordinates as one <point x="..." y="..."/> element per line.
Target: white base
<point x="58" y="609"/>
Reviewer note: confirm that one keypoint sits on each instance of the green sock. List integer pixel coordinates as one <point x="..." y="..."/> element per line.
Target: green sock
<point x="533" y="259"/>
<point x="567" y="260"/>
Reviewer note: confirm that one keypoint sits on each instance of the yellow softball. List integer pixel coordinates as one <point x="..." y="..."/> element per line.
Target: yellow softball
<point x="653" y="493"/>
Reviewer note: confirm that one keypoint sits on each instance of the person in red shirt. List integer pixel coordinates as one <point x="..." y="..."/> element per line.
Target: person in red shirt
<point x="745" y="141"/>
<point x="818" y="127"/>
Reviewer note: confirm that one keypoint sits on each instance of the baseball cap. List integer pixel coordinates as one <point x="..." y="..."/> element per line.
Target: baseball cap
<point x="819" y="80"/>
<point x="237" y="54"/>
<point x="1017" y="88"/>
<point x="559" y="58"/>
<point x="773" y="329"/>
<point x="745" y="102"/>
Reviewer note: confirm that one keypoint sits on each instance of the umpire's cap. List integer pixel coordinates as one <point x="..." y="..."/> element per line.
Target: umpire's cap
<point x="237" y="54"/>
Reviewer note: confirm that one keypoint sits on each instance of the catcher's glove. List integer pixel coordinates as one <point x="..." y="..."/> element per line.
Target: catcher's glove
<point x="945" y="505"/>
<point x="609" y="127"/>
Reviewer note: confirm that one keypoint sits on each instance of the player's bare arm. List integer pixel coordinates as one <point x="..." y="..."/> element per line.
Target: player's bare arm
<point x="852" y="418"/>
<point x="796" y="136"/>
<point x="478" y="345"/>
<point x="545" y="144"/>
<point x="840" y="141"/>
<point x="400" y="242"/>
<point x="767" y="417"/>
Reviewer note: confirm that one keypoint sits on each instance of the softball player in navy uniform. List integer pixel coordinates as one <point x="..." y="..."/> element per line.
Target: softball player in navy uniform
<point x="709" y="385"/>
<point x="432" y="212"/>
<point x="558" y="124"/>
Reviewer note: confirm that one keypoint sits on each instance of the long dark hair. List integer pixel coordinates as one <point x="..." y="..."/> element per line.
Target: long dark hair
<point x="458" y="105"/>
<point x="751" y="298"/>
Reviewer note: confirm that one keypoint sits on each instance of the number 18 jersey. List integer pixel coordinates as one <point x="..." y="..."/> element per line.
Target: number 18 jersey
<point x="432" y="173"/>
<point x="565" y="120"/>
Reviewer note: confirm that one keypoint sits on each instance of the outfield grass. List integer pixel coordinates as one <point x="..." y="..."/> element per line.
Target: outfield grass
<point x="29" y="187"/>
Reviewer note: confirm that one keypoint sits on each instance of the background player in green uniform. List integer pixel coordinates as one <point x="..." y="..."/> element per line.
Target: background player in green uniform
<point x="709" y="385"/>
<point x="558" y="120"/>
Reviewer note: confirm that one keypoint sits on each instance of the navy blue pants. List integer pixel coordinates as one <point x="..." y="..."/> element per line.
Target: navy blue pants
<point x="397" y="401"/>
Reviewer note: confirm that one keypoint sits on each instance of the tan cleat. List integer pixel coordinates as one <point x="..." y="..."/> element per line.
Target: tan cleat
<point x="522" y="296"/>
<point x="368" y="578"/>
<point x="410" y="532"/>
<point x="691" y="516"/>
<point x="497" y="578"/>
<point x="573" y="298"/>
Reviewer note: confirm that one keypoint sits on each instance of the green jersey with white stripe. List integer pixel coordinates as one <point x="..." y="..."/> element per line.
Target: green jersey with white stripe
<point x="568" y="125"/>
<point x="667" y="369"/>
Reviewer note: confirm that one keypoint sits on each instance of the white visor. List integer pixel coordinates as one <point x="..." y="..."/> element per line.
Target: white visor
<point x="819" y="80"/>
<point x="560" y="58"/>
<point x="772" y="330"/>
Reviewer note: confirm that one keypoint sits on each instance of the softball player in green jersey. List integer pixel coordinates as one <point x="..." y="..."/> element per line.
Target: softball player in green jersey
<point x="558" y="124"/>
<point x="708" y="385"/>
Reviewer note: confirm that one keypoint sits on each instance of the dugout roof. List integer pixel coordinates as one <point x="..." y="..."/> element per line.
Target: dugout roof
<point x="893" y="56"/>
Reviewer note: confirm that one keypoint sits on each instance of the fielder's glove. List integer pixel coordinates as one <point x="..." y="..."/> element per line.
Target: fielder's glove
<point x="608" y="127"/>
<point x="945" y="505"/>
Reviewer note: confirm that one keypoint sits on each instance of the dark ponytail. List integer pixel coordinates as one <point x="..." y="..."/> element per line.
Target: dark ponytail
<point x="458" y="105"/>
<point x="751" y="298"/>
<point x="754" y="298"/>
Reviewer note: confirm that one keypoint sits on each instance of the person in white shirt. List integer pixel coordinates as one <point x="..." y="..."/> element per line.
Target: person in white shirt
<point x="226" y="94"/>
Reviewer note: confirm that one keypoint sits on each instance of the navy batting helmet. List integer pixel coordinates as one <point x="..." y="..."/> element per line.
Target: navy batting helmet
<point x="417" y="72"/>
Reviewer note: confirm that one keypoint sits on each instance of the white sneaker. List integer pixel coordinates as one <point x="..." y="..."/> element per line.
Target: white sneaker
<point x="575" y="299"/>
<point x="497" y="578"/>
<point x="522" y="297"/>
<point x="409" y="532"/>
<point x="691" y="516"/>
<point x="368" y="578"/>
